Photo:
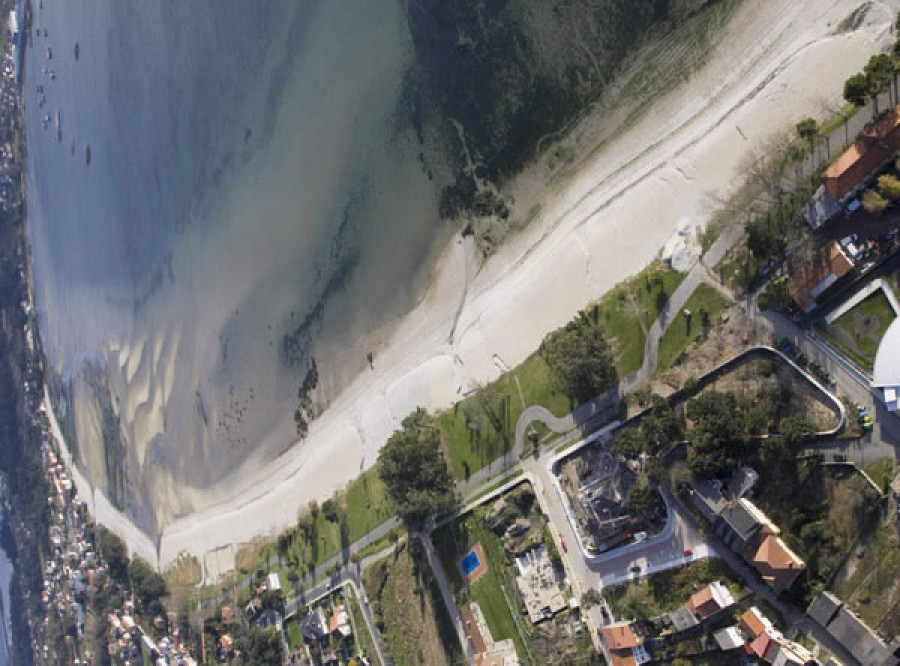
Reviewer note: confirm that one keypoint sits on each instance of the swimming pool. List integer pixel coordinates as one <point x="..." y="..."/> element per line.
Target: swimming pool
<point x="470" y="562"/>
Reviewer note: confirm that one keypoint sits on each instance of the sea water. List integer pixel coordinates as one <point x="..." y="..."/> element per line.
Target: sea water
<point x="205" y="180"/>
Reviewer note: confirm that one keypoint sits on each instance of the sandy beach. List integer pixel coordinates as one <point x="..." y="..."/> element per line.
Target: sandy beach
<point x="777" y="63"/>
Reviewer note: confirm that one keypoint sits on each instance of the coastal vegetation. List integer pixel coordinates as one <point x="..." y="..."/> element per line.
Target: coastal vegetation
<point x="409" y="611"/>
<point x="412" y="467"/>
<point x="20" y="445"/>
<point x="481" y="428"/>
<point x="579" y="359"/>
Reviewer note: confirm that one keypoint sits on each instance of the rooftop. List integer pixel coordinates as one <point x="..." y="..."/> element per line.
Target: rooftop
<point x="619" y="636"/>
<point x="887" y="359"/>
<point x="810" y="280"/>
<point x="874" y="146"/>
<point x="710" y="599"/>
<point x="744" y="518"/>
<point x="728" y="638"/>
<point x="682" y="618"/>
<point x="824" y="607"/>
<point x="776" y="562"/>
<point x="755" y="622"/>
<point x="708" y="496"/>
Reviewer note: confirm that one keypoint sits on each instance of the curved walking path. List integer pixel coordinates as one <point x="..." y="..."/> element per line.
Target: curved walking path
<point x="585" y="415"/>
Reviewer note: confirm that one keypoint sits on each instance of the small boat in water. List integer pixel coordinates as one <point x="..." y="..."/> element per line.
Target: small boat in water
<point x="57" y="126"/>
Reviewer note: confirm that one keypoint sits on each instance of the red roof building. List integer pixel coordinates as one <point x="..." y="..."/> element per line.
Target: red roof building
<point x="810" y="280"/>
<point x="620" y="640"/>
<point x="875" y="145"/>
<point x="778" y="565"/>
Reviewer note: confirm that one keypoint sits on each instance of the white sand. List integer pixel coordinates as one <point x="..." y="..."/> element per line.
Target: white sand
<point x="778" y="63"/>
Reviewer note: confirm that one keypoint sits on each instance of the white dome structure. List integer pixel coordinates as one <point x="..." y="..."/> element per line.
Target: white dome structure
<point x="886" y="377"/>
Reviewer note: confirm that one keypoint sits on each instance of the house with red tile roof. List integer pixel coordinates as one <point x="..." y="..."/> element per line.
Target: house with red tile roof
<point x="813" y="278"/>
<point x="778" y="565"/>
<point x="876" y="145"/>
<point x="620" y="643"/>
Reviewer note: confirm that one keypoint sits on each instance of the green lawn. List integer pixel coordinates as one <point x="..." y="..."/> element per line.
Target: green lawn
<point x="451" y="542"/>
<point x="683" y="331"/>
<point x="882" y="472"/>
<point x="293" y="633"/>
<point x="482" y="427"/>
<point x="368" y="504"/>
<point x="665" y="591"/>
<point x="637" y="300"/>
<point x="861" y="328"/>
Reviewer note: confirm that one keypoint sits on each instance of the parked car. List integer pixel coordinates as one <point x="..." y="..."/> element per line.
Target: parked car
<point x="849" y="244"/>
<point x="688" y="552"/>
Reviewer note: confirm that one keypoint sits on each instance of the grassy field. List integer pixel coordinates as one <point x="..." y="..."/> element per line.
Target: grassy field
<point x="409" y="611"/>
<point x="293" y="633"/>
<point x="859" y="330"/>
<point x="838" y="119"/>
<point x="364" y="505"/>
<point x="482" y="427"/>
<point x="630" y="308"/>
<point x="368" y="504"/>
<point x="451" y="542"/>
<point x="882" y="472"/>
<point x="683" y="331"/>
<point x="664" y="591"/>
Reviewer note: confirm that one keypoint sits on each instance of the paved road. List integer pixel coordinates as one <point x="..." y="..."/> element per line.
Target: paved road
<point x="347" y="575"/>
<point x="686" y="535"/>
<point x="654" y="556"/>
<point x="850" y="381"/>
<point x="791" y="615"/>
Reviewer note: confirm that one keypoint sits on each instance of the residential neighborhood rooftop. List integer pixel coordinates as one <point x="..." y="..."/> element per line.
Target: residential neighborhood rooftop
<point x="875" y="146"/>
<point x="812" y="278"/>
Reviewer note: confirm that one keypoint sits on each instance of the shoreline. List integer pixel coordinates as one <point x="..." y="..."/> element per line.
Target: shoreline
<point x="606" y="223"/>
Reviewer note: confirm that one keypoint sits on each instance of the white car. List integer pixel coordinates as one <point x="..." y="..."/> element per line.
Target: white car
<point x="849" y="244"/>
